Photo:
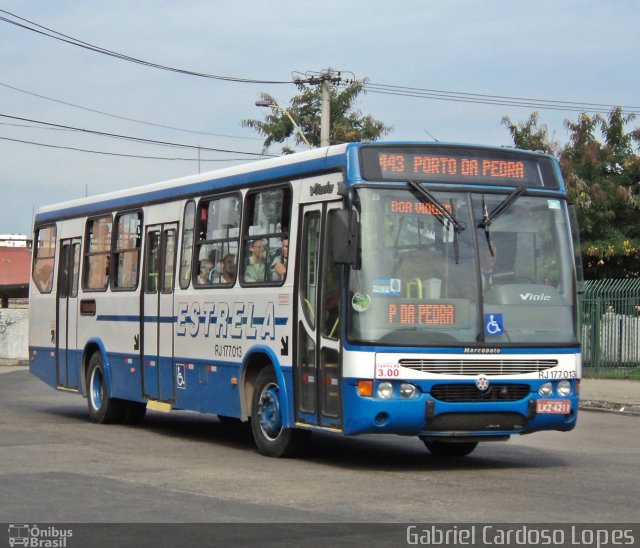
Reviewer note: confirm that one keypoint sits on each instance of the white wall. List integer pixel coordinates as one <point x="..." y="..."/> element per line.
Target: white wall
<point x="14" y="336"/>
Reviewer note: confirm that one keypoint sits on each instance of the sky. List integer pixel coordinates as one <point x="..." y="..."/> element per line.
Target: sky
<point x="574" y="51"/>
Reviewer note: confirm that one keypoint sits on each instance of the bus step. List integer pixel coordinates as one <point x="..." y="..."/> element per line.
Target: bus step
<point x="155" y="405"/>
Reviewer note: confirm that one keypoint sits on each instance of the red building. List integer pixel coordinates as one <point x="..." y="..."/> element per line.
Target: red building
<point x="15" y="263"/>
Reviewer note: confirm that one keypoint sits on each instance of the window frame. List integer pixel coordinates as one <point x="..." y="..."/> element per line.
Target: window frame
<point x="48" y="287"/>
<point x="86" y="271"/>
<point x="248" y="236"/>
<point x="201" y="240"/>
<point x="116" y="251"/>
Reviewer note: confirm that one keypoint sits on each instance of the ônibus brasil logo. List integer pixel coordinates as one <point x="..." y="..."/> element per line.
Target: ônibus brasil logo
<point x="38" y="537"/>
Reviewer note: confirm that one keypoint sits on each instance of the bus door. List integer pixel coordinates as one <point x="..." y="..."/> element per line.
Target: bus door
<point x="67" y="313"/>
<point x="157" y="312"/>
<point x="317" y="368"/>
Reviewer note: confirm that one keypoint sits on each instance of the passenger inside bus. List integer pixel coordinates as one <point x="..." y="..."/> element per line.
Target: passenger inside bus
<point x="255" y="268"/>
<point x="279" y="263"/>
<point x="227" y="274"/>
<point x="206" y="266"/>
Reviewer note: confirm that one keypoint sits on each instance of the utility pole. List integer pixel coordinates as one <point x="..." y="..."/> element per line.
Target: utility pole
<point x="325" y="80"/>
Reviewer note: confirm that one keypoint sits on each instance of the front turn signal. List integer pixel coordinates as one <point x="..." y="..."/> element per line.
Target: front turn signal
<point x="365" y="388"/>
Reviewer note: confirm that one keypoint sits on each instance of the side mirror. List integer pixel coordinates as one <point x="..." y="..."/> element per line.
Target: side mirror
<point x="343" y="226"/>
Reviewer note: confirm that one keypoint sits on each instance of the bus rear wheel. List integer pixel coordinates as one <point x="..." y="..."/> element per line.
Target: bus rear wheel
<point x="102" y="408"/>
<point x="450" y="448"/>
<point x="271" y="437"/>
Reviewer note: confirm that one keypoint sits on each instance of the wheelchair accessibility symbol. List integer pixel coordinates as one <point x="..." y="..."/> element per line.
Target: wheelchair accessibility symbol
<point x="493" y="325"/>
<point x="181" y="380"/>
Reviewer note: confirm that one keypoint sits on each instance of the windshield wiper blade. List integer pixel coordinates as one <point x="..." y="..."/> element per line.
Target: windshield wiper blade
<point x="487" y="219"/>
<point x="458" y="226"/>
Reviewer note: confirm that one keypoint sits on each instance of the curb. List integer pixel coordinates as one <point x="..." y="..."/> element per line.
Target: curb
<point x="610" y="407"/>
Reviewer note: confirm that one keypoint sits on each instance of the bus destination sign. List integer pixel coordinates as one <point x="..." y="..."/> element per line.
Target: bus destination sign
<point x="459" y="165"/>
<point x="420" y="313"/>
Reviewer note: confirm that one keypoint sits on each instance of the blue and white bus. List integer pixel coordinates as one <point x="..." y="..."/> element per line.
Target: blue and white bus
<point x="419" y="289"/>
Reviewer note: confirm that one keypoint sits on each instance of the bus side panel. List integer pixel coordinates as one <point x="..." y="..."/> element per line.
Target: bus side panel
<point x="116" y="325"/>
<point x="42" y="335"/>
<point x="208" y="387"/>
<point x="42" y="364"/>
<point x="126" y="379"/>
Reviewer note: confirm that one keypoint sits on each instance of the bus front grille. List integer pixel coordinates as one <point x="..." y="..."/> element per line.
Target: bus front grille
<point x="478" y="367"/>
<point x="460" y="393"/>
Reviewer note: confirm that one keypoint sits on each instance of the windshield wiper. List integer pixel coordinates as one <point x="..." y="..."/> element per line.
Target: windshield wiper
<point x="458" y="226"/>
<point x="488" y="218"/>
<point x="502" y="206"/>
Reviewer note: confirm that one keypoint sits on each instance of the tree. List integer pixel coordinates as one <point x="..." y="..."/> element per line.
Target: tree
<point x="527" y="135"/>
<point x="346" y="124"/>
<point x="602" y="172"/>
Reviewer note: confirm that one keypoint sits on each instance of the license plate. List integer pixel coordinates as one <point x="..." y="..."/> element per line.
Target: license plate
<point x="553" y="407"/>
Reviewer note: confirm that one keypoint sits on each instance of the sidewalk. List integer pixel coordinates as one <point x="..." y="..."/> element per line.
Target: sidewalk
<point x="612" y="395"/>
<point x="619" y="396"/>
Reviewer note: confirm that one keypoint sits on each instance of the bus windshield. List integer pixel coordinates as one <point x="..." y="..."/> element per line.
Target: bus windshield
<point x="421" y="281"/>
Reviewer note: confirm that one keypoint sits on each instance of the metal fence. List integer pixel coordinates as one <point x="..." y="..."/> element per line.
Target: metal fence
<point x="610" y="328"/>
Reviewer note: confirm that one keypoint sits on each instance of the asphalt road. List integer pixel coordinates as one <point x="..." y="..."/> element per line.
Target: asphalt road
<point x="57" y="467"/>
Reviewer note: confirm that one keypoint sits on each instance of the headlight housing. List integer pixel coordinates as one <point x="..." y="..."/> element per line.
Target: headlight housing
<point x="407" y="390"/>
<point x="385" y="390"/>
<point x="564" y="388"/>
<point x="546" y="389"/>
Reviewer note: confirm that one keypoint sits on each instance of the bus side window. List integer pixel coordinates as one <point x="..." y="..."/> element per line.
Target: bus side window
<point x="218" y="234"/>
<point x="127" y="250"/>
<point x="265" y="236"/>
<point x="44" y="253"/>
<point x="97" y="253"/>
<point x="186" y="256"/>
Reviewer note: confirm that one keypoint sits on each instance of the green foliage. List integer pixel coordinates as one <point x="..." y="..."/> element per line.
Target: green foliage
<point x="346" y="124"/>
<point x="528" y="136"/>
<point x="601" y="169"/>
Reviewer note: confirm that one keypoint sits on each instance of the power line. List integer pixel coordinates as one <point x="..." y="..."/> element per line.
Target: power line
<point x="383" y="89"/>
<point x="124" y="117"/>
<point x="45" y="31"/>
<point x="47" y="145"/>
<point x="478" y="98"/>
<point x="130" y="138"/>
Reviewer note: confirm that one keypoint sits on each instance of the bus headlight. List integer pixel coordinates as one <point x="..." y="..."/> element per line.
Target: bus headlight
<point x="385" y="390"/>
<point x="546" y="389"/>
<point x="407" y="390"/>
<point x="564" y="388"/>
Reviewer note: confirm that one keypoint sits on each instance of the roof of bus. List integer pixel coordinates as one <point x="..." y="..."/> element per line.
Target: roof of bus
<point x="302" y="162"/>
<point x="289" y="166"/>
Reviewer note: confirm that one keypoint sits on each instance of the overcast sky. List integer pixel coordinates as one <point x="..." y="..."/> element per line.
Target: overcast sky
<point x="551" y="50"/>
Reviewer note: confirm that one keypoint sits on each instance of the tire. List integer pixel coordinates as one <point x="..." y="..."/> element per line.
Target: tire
<point x="450" y="448"/>
<point x="229" y="421"/>
<point x="271" y="438"/>
<point x="102" y="408"/>
<point x="134" y="412"/>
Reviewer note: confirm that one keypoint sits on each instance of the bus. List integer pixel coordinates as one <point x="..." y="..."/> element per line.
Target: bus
<point x="410" y="288"/>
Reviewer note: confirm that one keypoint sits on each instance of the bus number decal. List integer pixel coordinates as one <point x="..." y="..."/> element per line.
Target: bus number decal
<point x="238" y="321"/>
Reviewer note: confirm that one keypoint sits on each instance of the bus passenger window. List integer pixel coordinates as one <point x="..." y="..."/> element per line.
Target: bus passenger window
<point x="97" y="253"/>
<point x="266" y="236"/>
<point x="45" y="251"/>
<point x="187" y="244"/>
<point x="127" y="250"/>
<point x="218" y="233"/>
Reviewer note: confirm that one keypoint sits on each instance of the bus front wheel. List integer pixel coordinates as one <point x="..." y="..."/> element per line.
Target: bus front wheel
<point x="449" y="448"/>
<point x="271" y="437"/>
<point x="102" y="408"/>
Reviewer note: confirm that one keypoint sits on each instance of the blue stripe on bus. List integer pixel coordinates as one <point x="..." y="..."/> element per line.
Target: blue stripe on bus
<point x="257" y="320"/>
